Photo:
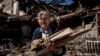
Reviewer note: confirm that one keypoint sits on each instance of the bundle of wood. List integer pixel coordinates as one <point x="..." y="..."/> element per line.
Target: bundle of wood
<point x="61" y="38"/>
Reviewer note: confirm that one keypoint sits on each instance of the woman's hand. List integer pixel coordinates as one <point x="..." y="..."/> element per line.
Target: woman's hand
<point x="50" y="45"/>
<point x="36" y="42"/>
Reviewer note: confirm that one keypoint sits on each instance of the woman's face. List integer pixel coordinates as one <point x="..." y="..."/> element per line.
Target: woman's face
<point x="44" y="21"/>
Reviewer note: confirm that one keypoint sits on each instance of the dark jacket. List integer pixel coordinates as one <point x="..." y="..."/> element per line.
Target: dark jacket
<point x="37" y="35"/>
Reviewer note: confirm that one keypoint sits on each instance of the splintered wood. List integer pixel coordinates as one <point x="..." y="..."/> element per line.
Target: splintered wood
<point x="64" y="32"/>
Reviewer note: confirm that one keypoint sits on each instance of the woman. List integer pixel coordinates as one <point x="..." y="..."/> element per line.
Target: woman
<point x="42" y="33"/>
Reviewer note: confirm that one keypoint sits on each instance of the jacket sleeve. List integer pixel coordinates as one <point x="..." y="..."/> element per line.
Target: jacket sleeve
<point x="35" y="34"/>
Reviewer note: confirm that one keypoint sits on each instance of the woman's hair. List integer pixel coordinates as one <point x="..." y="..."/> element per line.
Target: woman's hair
<point x="41" y="13"/>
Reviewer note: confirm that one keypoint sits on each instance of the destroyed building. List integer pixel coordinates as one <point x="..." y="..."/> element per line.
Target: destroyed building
<point x="17" y="25"/>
